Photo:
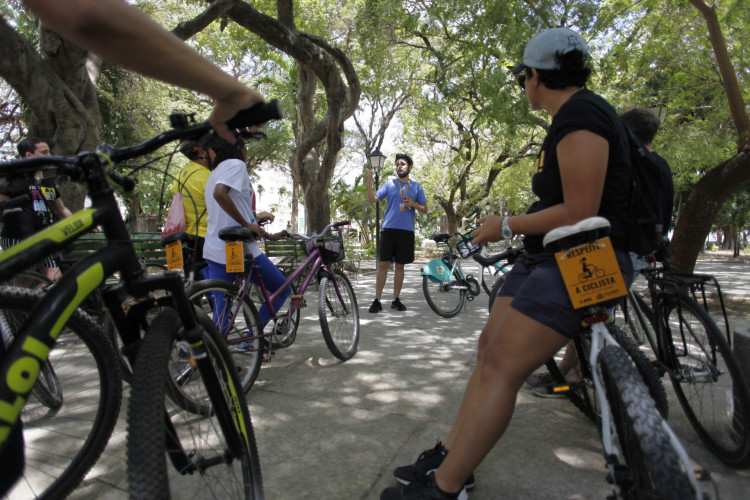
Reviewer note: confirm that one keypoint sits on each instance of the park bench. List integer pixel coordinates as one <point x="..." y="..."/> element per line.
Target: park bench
<point x="147" y="245"/>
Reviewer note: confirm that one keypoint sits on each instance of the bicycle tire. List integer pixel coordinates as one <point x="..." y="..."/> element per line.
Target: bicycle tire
<point x="646" y="369"/>
<point x="340" y="328"/>
<point x="48" y="389"/>
<point x="219" y="475"/>
<point x="490" y="275"/>
<point x="74" y="434"/>
<point x="446" y="303"/>
<point x="31" y="279"/>
<point x="653" y="469"/>
<point x="495" y="290"/>
<point x="248" y="360"/>
<point x="706" y="371"/>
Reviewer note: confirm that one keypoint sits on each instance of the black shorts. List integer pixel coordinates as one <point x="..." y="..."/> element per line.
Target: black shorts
<point x="398" y="243"/>
<point x="539" y="292"/>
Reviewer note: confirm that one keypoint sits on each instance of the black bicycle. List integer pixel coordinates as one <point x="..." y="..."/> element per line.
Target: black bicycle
<point x="214" y="454"/>
<point x="696" y="354"/>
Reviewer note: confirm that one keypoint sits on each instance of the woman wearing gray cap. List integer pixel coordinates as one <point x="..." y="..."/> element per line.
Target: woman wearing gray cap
<point x="581" y="171"/>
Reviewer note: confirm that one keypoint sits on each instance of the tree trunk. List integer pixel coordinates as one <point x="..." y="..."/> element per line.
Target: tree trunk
<point x="700" y="209"/>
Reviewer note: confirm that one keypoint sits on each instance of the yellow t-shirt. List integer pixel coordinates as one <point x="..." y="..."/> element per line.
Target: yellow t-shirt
<point x="191" y="181"/>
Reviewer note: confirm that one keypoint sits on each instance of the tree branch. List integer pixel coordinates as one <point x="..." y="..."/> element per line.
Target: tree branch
<point x="728" y="74"/>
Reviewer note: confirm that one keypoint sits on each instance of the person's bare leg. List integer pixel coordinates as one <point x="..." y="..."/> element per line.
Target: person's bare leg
<point x="398" y="279"/>
<point x="52" y="273"/>
<point x="517" y="347"/>
<point x="380" y="280"/>
<point x="568" y="364"/>
<point x="499" y="310"/>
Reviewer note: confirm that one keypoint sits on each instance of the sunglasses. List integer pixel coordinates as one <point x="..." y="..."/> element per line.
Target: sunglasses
<point x="522" y="82"/>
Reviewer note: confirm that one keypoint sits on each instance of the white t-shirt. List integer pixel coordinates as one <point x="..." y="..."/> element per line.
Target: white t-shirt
<point x="232" y="173"/>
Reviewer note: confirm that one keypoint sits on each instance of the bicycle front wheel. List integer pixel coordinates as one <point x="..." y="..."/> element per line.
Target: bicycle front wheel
<point x="490" y="275"/>
<point x="339" y="314"/>
<point x="647" y="466"/>
<point x="708" y="381"/>
<point x="495" y="290"/>
<point x="442" y="297"/>
<point x="200" y="447"/>
<point x="220" y="301"/>
<point x="65" y="439"/>
<point x="48" y="389"/>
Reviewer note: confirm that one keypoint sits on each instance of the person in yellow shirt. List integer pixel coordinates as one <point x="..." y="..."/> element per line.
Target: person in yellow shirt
<point x="190" y="182"/>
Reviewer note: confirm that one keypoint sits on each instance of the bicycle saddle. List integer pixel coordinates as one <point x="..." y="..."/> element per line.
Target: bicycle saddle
<point x="178" y="236"/>
<point x="581" y="232"/>
<point x="236" y="233"/>
<point x="441" y="238"/>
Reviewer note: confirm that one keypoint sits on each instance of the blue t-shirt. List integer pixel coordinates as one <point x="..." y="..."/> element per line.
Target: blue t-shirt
<point x="396" y="214"/>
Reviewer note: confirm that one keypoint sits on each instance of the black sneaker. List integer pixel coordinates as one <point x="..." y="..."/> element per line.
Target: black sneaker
<point x="427" y="463"/>
<point x="375" y="307"/>
<point x="396" y="304"/>
<point x="422" y="490"/>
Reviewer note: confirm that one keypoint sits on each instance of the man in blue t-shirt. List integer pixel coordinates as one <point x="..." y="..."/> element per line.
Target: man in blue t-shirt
<point x="404" y="197"/>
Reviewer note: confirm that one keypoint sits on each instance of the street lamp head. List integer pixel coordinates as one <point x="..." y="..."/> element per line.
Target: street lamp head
<point x="487" y="207"/>
<point x="377" y="159"/>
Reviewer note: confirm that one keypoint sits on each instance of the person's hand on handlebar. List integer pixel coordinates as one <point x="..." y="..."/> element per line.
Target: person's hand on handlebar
<point x="237" y="99"/>
<point x="489" y="231"/>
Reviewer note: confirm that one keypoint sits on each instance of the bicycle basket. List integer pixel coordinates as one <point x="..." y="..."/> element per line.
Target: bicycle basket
<point x="331" y="248"/>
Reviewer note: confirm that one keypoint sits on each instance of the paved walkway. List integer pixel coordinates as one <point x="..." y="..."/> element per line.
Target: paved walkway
<point x="331" y="430"/>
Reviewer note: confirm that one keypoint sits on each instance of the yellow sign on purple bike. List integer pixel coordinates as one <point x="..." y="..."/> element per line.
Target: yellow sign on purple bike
<point x="591" y="273"/>
<point x="235" y="257"/>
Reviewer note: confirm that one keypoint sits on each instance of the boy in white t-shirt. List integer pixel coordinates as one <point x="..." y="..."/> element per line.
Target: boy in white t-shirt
<point x="230" y="201"/>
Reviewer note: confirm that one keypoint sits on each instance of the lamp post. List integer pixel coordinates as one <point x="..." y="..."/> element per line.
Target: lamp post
<point x="377" y="160"/>
<point x="487" y="207"/>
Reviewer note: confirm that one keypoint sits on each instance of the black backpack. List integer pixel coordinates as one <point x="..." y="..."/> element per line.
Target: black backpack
<point x="645" y="221"/>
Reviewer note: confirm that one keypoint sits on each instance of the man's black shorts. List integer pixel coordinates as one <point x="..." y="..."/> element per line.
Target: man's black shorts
<point x="398" y="243"/>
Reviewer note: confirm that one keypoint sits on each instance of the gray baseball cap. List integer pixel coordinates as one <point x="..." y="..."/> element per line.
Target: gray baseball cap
<point x="541" y="50"/>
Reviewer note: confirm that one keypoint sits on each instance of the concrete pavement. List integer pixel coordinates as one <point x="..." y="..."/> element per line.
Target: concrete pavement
<point x="333" y="430"/>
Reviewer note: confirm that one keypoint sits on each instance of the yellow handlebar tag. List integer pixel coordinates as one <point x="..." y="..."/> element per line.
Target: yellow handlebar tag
<point x="591" y="273"/>
<point x="235" y="257"/>
<point x="174" y="255"/>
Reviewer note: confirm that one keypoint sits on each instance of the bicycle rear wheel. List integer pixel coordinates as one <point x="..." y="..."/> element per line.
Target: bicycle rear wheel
<point x="63" y="442"/>
<point x="201" y="447"/>
<point x="647" y="466"/>
<point x="443" y="298"/>
<point x="708" y="381"/>
<point x="244" y="337"/>
<point x="339" y="317"/>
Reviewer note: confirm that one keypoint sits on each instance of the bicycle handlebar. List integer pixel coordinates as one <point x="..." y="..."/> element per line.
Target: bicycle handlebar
<point x="332" y="225"/>
<point x="509" y="254"/>
<point x="255" y="115"/>
<point x="13" y="202"/>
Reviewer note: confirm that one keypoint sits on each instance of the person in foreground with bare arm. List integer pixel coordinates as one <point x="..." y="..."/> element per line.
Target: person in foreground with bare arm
<point x="124" y="35"/>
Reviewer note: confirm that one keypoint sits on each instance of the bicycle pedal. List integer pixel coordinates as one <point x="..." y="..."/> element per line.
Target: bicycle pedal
<point x="268" y="356"/>
<point x="702" y="475"/>
<point x="298" y="301"/>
